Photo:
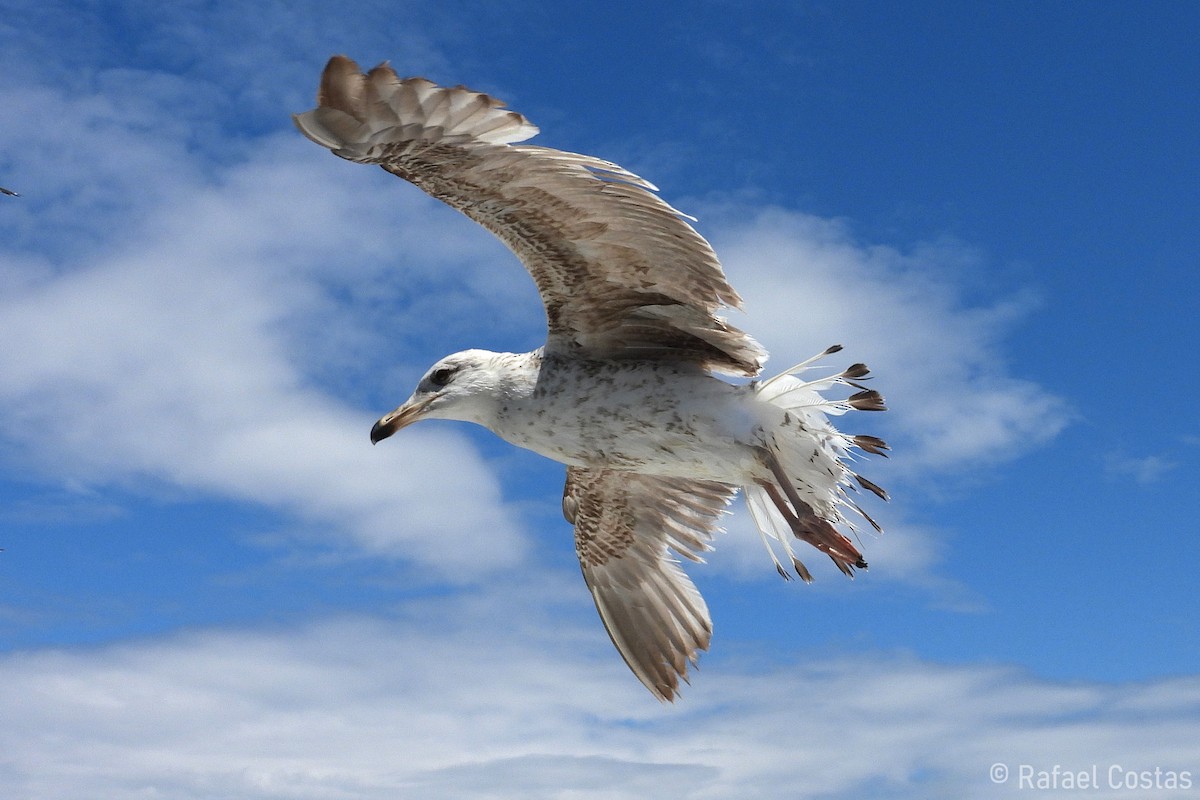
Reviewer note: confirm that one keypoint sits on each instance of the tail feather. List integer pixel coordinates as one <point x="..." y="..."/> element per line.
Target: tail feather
<point x="806" y="458"/>
<point x="771" y="524"/>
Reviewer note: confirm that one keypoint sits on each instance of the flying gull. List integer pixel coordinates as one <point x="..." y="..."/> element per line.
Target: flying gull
<point x="623" y="392"/>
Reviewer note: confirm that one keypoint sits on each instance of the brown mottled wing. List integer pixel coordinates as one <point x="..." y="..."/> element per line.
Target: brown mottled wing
<point x="626" y="524"/>
<point x="620" y="272"/>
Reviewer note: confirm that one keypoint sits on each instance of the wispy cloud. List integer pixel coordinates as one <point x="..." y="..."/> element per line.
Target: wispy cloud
<point x="476" y="698"/>
<point x="173" y="336"/>
<point x="954" y="401"/>
<point x="1140" y="469"/>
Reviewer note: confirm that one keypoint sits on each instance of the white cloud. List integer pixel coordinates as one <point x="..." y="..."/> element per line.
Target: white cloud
<point x="476" y="698"/>
<point x="180" y="342"/>
<point x="1144" y="470"/>
<point x="807" y="284"/>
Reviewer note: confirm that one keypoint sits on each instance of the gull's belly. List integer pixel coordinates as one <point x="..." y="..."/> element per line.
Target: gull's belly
<point x="638" y="417"/>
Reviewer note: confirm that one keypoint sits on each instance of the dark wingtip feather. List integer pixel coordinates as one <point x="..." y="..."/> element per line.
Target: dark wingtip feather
<point x="856" y="371"/>
<point x="801" y="570"/>
<point x="867" y="400"/>
<point x="871" y="444"/>
<point x="878" y="528"/>
<point x="870" y="486"/>
<point x="846" y="569"/>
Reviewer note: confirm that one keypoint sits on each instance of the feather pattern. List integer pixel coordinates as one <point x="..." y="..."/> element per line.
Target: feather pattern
<point x="626" y="526"/>
<point x="621" y="273"/>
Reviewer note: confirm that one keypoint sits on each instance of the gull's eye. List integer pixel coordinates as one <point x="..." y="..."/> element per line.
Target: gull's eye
<point x="440" y="377"/>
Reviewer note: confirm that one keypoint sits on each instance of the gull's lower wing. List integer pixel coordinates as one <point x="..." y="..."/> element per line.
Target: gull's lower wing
<point x="626" y="526"/>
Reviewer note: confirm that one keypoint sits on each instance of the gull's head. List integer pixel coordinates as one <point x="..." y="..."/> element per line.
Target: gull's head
<point x="460" y="387"/>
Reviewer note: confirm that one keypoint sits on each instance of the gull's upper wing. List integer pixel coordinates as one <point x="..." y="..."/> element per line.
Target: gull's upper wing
<point x="621" y="273"/>
<point x="625" y="526"/>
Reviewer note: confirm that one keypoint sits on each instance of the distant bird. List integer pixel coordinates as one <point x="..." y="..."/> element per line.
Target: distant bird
<point x="8" y="192"/>
<point x="622" y="392"/>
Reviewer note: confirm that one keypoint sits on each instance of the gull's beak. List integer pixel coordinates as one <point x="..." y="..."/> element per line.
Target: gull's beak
<point x="402" y="417"/>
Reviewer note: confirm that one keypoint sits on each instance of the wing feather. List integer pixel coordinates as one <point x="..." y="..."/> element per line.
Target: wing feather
<point x="626" y="526"/>
<point x="621" y="273"/>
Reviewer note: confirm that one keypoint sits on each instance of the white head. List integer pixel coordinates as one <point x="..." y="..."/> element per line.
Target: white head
<point x="462" y="386"/>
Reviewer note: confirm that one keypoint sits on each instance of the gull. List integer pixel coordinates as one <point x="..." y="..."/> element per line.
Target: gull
<point x="626" y="391"/>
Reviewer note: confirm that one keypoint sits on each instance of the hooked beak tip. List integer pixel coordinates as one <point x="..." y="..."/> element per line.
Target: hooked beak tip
<point x="379" y="432"/>
<point x="402" y="417"/>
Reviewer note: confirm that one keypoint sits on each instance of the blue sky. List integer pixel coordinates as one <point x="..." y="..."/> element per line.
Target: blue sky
<point x="213" y="586"/>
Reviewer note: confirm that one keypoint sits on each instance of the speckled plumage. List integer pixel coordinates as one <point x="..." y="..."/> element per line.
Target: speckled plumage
<point x="623" y="392"/>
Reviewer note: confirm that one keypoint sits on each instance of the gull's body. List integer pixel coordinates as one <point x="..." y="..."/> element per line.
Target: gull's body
<point x="641" y="416"/>
<point x="624" y="391"/>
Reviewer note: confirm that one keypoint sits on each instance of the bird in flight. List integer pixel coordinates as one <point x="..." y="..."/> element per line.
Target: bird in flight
<point x="624" y="392"/>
